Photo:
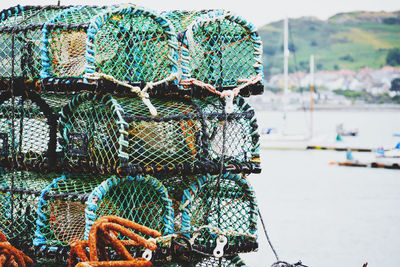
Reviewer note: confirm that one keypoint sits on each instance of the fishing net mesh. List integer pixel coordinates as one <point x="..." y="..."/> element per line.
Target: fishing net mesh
<point x="142" y="199"/>
<point x="91" y="133"/>
<point x="221" y="52"/>
<point x="239" y="144"/>
<point x="133" y="47"/>
<point x="207" y="262"/>
<point x="181" y="19"/>
<point x="67" y="45"/>
<point x="24" y="130"/>
<point x="62" y="210"/>
<point x="21" y="222"/>
<point x="27" y="42"/>
<point x="226" y="203"/>
<point x="98" y="131"/>
<point x="171" y="140"/>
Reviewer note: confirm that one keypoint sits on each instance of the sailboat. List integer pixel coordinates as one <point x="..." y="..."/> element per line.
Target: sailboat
<point x="281" y="138"/>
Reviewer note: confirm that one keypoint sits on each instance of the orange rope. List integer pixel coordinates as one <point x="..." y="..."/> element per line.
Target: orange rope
<point x="105" y="232"/>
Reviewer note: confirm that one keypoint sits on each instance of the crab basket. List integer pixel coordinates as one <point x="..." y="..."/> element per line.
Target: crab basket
<point x="220" y="214"/>
<point x="20" y="38"/>
<point x="61" y="210"/>
<point x="28" y="129"/>
<point x="64" y="43"/>
<point x="142" y="199"/>
<point x="223" y="50"/>
<point x="118" y="135"/>
<point x="19" y="197"/>
<point x="129" y="43"/>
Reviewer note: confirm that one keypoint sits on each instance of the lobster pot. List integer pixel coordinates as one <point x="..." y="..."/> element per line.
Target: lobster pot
<point x="90" y="129"/>
<point x="233" y="138"/>
<point x="187" y="136"/>
<point x="223" y="50"/>
<point x="61" y="210"/>
<point x="18" y="210"/>
<point x="216" y="207"/>
<point x="142" y="199"/>
<point x="120" y="135"/>
<point x="64" y="42"/>
<point x="28" y="130"/>
<point x="22" y="25"/>
<point x="132" y="44"/>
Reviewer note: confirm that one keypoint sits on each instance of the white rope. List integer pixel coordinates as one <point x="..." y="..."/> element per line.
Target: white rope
<point x="143" y="94"/>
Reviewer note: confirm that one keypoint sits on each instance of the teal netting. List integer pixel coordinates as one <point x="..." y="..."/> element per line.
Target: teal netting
<point x="142" y="199"/>
<point x="65" y="35"/>
<point x="61" y="209"/>
<point x="28" y="21"/>
<point x="132" y="44"/>
<point x="220" y="206"/>
<point x="110" y="134"/>
<point x="27" y="130"/>
<point x="222" y="50"/>
<point x="19" y="221"/>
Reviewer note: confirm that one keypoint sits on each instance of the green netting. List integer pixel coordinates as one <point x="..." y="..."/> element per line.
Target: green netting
<point x="132" y="44"/>
<point x="28" y="129"/>
<point x="20" y="224"/>
<point x="142" y="199"/>
<point x="56" y="101"/>
<point x="65" y="35"/>
<point x="61" y="210"/>
<point x="107" y="134"/>
<point x="222" y="49"/>
<point x="166" y="139"/>
<point x="90" y="130"/>
<point x="215" y="206"/>
<point x="181" y="19"/>
<point x="241" y="132"/>
<point x="206" y="262"/>
<point x="28" y="21"/>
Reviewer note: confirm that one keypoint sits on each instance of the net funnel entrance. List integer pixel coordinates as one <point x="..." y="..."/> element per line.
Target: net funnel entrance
<point x="91" y="127"/>
<point x="27" y="129"/>
<point x="223" y="50"/>
<point x="187" y="136"/>
<point x="20" y="27"/>
<point x="64" y="42"/>
<point x="61" y="209"/>
<point x="18" y="222"/>
<point x="220" y="207"/>
<point x="142" y="199"/>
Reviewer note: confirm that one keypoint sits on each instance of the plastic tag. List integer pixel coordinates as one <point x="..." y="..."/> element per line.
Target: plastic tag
<point x="219" y="248"/>
<point x="229" y="101"/>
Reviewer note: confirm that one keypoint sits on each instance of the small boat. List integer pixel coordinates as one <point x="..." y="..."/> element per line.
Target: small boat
<point x="391" y="153"/>
<point x="343" y="132"/>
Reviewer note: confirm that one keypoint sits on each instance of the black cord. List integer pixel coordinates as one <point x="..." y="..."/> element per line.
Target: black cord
<point x="266" y="235"/>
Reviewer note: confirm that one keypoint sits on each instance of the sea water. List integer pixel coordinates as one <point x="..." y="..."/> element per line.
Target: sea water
<point x="326" y="215"/>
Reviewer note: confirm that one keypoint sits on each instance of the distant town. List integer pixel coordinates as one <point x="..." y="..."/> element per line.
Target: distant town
<point x="333" y="89"/>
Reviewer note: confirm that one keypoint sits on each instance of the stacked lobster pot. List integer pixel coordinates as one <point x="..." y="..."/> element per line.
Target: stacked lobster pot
<point x="125" y="111"/>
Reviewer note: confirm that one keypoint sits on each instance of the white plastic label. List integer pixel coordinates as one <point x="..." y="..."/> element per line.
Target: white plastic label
<point x="229" y="101"/>
<point x="219" y="248"/>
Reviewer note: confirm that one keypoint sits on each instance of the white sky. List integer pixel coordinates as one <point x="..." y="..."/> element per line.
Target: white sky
<point x="259" y="12"/>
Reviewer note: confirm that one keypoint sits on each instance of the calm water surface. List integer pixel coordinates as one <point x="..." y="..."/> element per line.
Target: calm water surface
<point x="328" y="215"/>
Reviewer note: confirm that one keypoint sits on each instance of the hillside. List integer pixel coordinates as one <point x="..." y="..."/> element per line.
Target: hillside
<point x="344" y="41"/>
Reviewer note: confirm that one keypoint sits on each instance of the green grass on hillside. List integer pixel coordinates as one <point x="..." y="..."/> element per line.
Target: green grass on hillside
<point x="335" y="46"/>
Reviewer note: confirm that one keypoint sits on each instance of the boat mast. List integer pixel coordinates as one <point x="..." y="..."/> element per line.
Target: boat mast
<point x="285" y="66"/>
<point x="311" y="93"/>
